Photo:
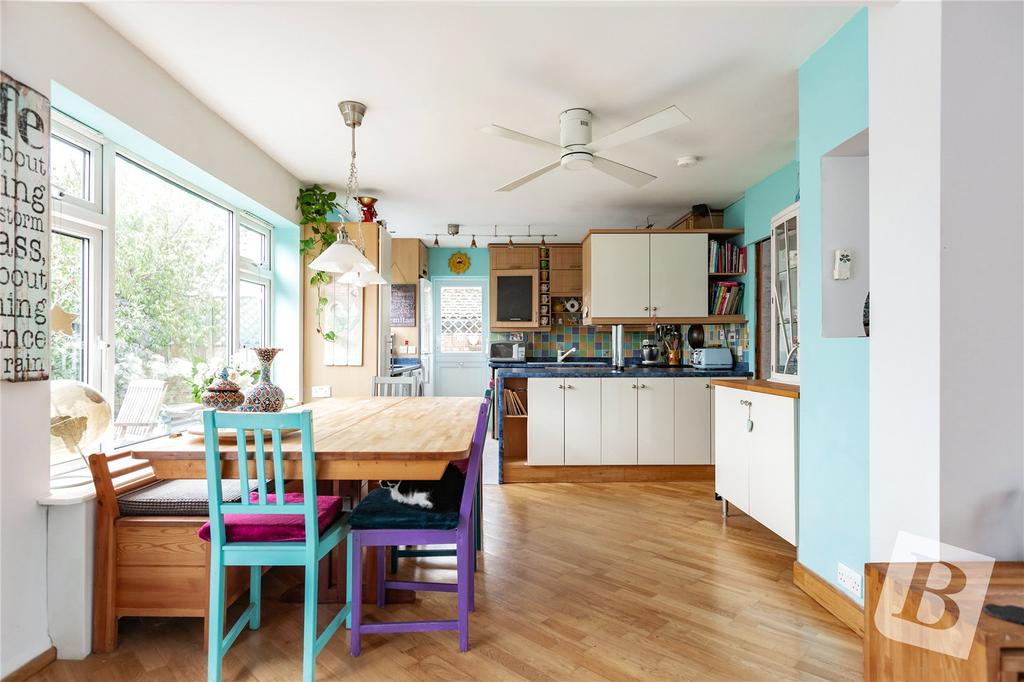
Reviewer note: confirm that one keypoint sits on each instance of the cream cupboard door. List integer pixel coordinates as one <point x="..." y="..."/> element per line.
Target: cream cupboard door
<point x="773" y="464"/>
<point x="618" y="421"/>
<point x="679" y="275"/>
<point x="692" y="421"/>
<point x="620" y="267"/>
<point x="545" y="425"/>
<point x="582" y="427"/>
<point x="732" y="446"/>
<point x="654" y="417"/>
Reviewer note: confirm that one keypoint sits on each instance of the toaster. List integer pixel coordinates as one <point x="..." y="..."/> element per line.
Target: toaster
<point x="712" y="358"/>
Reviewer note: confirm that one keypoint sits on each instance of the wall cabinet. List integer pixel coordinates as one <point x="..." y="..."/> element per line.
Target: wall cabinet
<point x="516" y="258"/>
<point x="633" y="276"/>
<point x="566" y="256"/>
<point x="618" y="421"/>
<point x="756" y="456"/>
<point x="408" y="261"/>
<point x="514" y="298"/>
<point x="566" y="282"/>
<point x="561" y="428"/>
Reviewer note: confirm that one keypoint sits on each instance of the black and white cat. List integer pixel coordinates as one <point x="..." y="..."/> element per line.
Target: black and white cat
<point x="443" y="495"/>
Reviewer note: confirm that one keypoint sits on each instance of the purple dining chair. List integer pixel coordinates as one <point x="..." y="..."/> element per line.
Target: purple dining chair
<point x="380" y="522"/>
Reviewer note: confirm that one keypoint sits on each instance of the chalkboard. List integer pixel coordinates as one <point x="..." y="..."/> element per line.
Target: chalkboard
<point x="515" y="298"/>
<point x="403" y="305"/>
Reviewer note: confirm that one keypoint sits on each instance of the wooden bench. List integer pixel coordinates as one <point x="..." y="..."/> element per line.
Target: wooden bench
<point x="147" y="565"/>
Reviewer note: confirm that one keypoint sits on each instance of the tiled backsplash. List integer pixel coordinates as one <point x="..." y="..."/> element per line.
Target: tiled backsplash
<point x="590" y="342"/>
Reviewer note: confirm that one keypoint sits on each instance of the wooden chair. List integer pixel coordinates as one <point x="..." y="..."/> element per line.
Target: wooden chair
<point x="478" y="506"/>
<point x="140" y="410"/>
<point x="395" y="386"/>
<point x="380" y="522"/>
<point x="282" y="529"/>
<point x="146" y="565"/>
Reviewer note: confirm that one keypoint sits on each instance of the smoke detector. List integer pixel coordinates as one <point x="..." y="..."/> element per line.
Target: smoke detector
<point x="687" y="161"/>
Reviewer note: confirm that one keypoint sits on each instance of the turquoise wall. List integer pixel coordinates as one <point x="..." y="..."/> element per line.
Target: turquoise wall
<point x="833" y="481"/>
<point x="437" y="262"/>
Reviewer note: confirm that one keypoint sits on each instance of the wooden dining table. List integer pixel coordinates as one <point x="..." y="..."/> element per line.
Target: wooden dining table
<point x="354" y="439"/>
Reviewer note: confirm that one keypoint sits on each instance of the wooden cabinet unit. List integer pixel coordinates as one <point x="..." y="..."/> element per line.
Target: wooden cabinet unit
<point x="516" y="258"/>
<point x="631" y="276"/>
<point x="566" y="282"/>
<point x="756" y="456"/>
<point x="566" y="256"/>
<point x="408" y="261"/>
<point x="561" y="429"/>
<point x="514" y="299"/>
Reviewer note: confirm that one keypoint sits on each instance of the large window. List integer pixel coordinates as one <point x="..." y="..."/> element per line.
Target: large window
<point x="153" y="278"/>
<point x="462" y="319"/>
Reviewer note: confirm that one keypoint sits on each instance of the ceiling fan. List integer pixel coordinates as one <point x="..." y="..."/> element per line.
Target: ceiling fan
<point x="578" y="152"/>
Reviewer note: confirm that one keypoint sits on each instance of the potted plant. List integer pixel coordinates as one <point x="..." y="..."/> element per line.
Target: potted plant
<point x="315" y="203"/>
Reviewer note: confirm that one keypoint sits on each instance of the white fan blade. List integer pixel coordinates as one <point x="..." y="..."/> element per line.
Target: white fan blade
<point x="508" y="134"/>
<point x="532" y="176"/>
<point x="630" y="176"/>
<point x="655" y="123"/>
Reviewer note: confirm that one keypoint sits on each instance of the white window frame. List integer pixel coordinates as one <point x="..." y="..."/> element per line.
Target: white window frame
<point x="791" y="211"/>
<point x="94" y="220"/>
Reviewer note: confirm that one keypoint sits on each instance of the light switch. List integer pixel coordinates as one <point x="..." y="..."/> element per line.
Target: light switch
<point x="322" y="391"/>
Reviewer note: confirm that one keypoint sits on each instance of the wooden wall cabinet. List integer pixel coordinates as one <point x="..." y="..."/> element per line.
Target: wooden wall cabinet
<point x="756" y="456"/>
<point x="408" y="261"/>
<point x="565" y="256"/>
<point x="516" y="258"/>
<point x="514" y="295"/>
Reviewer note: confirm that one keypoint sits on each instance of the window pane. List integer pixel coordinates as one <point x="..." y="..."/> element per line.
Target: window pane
<point x="252" y="314"/>
<point x="462" y="319"/>
<point x="171" y="287"/>
<point x="67" y="333"/>
<point x="252" y="245"/>
<point x="69" y="165"/>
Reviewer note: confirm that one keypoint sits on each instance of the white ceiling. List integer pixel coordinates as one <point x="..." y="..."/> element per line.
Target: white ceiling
<point x="433" y="74"/>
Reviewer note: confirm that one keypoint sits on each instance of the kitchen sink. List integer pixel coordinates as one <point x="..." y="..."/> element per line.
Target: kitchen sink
<point x="569" y="363"/>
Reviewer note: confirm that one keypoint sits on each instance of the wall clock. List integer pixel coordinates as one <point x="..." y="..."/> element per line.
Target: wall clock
<point x="459" y="262"/>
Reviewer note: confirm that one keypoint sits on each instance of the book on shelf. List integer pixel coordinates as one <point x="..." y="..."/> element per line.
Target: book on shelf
<point x="513" y="405"/>
<point x="725" y="298"/>
<point x="726" y="257"/>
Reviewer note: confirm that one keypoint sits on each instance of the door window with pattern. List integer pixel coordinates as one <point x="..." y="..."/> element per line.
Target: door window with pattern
<point x="462" y="319"/>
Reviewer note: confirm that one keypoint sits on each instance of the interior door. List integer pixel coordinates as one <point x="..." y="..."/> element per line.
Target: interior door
<point x="692" y="421"/>
<point x="679" y="275"/>
<point x="545" y="423"/>
<point x="618" y="421"/>
<point x="460" y="328"/>
<point x="582" y="434"/>
<point x="620" y="280"/>
<point x="654" y="418"/>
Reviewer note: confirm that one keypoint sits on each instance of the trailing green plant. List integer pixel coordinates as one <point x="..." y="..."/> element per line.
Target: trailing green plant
<point x="315" y="203"/>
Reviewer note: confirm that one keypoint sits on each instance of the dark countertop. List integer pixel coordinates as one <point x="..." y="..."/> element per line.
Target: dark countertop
<point x="567" y="370"/>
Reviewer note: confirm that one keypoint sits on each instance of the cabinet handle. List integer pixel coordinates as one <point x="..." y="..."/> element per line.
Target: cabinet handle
<point x="568" y="385"/>
<point x="561" y="386"/>
<point x="643" y="385"/>
<point x="634" y="386"/>
<point x="646" y="308"/>
<point x="707" y="385"/>
<point x="745" y="403"/>
<point x="654" y="308"/>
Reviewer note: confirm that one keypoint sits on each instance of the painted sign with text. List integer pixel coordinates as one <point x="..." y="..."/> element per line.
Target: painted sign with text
<point x="24" y="232"/>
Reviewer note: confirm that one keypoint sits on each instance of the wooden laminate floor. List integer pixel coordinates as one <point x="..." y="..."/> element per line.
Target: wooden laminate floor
<point x="612" y="581"/>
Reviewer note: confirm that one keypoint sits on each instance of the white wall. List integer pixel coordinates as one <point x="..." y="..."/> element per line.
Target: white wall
<point x="982" y="464"/>
<point x="844" y="225"/>
<point x="65" y="42"/>
<point x="903" y="114"/>
<point x="947" y="293"/>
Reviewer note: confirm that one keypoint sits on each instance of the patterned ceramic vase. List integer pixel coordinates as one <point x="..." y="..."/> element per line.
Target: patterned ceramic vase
<point x="222" y="394"/>
<point x="264" y="396"/>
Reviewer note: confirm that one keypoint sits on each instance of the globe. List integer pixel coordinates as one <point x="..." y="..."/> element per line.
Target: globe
<point x="79" y="417"/>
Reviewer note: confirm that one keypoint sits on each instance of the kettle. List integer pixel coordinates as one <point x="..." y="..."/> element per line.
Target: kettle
<point x="649" y="352"/>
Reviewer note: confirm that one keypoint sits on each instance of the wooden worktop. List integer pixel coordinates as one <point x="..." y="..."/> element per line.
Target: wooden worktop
<point x="760" y="386"/>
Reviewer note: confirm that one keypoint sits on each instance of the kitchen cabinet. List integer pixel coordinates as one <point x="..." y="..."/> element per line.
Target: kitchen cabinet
<point x="514" y="298"/>
<point x="408" y="261"/>
<point x="566" y="282"/>
<point x="756" y="456"/>
<point x="618" y="421"/>
<point x="561" y="428"/>
<point x="516" y="258"/>
<point x="633" y="276"/>
<point x="679" y="275"/>
<point x="692" y="421"/>
<point x="566" y="256"/>
<point x="655" y="400"/>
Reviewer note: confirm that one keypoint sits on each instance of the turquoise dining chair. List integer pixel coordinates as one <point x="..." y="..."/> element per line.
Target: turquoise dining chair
<point x="290" y="529"/>
<point x="478" y="506"/>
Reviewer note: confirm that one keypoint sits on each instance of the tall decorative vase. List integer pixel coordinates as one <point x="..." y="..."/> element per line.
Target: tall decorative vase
<point x="264" y="396"/>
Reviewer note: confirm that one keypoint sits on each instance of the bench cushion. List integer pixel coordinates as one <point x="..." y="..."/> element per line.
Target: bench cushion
<point x="181" y="497"/>
<point x="378" y="510"/>
<point x="276" y="527"/>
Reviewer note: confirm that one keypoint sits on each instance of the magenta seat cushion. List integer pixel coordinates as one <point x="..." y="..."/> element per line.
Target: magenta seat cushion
<point x="273" y="528"/>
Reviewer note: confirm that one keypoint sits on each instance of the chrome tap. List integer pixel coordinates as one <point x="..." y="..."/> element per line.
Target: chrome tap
<point x="564" y="354"/>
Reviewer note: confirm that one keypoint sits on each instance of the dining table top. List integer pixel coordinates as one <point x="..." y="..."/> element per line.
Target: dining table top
<point x="355" y="438"/>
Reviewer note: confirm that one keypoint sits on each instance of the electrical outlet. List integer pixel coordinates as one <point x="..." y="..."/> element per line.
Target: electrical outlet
<point x="321" y="391"/>
<point x="848" y="578"/>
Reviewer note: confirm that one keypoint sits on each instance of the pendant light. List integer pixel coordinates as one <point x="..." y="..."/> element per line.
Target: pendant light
<point x="472" y="243"/>
<point x="436" y="243"/>
<point x="343" y="257"/>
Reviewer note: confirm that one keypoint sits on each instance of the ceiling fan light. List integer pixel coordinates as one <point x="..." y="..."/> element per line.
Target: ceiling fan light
<point x="577" y="160"/>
